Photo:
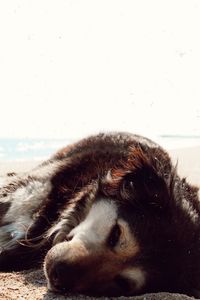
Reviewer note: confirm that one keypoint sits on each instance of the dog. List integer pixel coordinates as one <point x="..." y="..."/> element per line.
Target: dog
<point x="108" y="215"/>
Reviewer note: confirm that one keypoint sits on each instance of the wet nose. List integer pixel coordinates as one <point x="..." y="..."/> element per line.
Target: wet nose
<point x="63" y="276"/>
<point x="59" y="271"/>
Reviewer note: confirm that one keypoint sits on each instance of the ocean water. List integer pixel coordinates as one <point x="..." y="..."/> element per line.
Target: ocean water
<point x="40" y="149"/>
<point x="29" y="149"/>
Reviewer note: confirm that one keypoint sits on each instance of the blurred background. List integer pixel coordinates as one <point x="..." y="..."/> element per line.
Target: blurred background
<point x="73" y="68"/>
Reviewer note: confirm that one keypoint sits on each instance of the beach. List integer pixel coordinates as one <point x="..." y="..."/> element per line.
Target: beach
<point x="188" y="163"/>
<point x="32" y="285"/>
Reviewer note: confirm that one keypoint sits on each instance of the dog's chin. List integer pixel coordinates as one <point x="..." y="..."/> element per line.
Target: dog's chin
<point x="91" y="292"/>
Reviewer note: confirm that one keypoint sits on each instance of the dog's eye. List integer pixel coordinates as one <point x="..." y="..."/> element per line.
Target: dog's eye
<point x="114" y="236"/>
<point x="127" y="189"/>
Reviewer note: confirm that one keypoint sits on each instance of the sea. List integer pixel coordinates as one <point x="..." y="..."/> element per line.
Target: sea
<point x="40" y="149"/>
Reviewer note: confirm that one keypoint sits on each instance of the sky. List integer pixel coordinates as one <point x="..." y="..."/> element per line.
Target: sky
<point x="71" y="68"/>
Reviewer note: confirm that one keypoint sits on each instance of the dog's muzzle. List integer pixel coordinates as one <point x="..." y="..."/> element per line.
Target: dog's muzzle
<point x="66" y="266"/>
<point x="71" y="267"/>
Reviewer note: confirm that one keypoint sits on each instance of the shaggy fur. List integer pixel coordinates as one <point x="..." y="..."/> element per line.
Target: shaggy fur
<point x="153" y="243"/>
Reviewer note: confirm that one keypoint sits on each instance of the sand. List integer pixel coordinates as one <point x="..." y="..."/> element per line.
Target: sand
<point x="32" y="285"/>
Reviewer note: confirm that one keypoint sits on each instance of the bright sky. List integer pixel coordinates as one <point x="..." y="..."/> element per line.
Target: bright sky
<point x="70" y="68"/>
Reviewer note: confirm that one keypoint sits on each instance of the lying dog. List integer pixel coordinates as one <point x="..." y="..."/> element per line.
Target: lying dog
<point x="108" y="215"/>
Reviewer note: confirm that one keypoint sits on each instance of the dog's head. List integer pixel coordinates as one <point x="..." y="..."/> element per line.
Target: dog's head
<point x="126" y="243"/>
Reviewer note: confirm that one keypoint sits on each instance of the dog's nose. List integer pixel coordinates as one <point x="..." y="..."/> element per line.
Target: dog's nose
<point x="63" y="277"/>
<point x="59" y="271"/>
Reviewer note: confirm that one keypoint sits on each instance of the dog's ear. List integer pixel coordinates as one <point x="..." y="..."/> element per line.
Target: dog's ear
<point x="144" y="183"/>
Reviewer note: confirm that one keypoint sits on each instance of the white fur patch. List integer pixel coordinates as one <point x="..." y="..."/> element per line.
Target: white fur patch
<point x="100" y="219"/>
<point x="190" y="210"/>
<point x="24" y="201"/>
<point x="108" y="177"/>
<point x="135" y="274"/>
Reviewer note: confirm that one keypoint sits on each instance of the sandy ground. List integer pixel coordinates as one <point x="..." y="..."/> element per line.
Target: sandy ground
<point x="32" y="285"/>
